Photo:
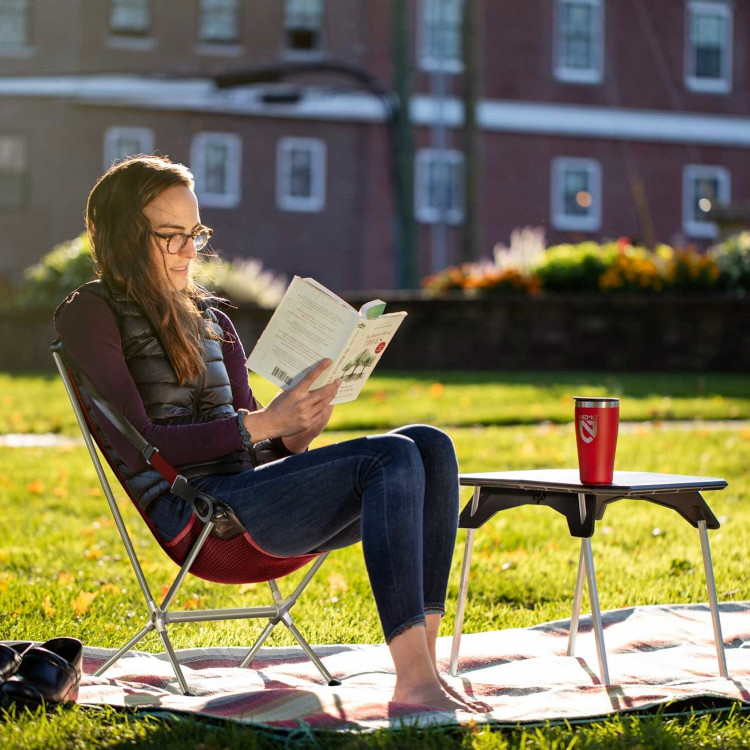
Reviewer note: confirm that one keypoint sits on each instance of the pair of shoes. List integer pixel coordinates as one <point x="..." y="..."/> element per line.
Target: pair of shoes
<point x="48" y="674"/>
<point x="10" y="658"/>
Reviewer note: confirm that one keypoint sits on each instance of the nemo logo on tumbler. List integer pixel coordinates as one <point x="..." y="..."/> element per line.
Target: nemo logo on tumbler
<point x="587" y="428"/>
<point x="597" y="421"/>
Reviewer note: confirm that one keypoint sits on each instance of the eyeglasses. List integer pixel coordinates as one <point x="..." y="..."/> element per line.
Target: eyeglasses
<point x="177" y="241"/>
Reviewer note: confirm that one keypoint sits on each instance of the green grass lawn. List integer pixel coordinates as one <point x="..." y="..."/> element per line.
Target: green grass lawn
<point x="37" y="403"/>
<point x="62" y="569"/>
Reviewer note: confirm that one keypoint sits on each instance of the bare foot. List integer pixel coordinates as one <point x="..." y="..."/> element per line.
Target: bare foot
<point x="469" y="704"/>
<point x="431" y="695"/>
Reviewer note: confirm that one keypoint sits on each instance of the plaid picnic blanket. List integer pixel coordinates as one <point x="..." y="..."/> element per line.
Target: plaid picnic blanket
<point x="657" y="654"/>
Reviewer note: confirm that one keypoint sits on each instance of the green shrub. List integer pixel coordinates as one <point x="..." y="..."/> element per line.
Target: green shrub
<point x="733" y="259"/>
<point x="70" y="264"/>
<point x="65" y="267"/>
<point x="575" y="268"/>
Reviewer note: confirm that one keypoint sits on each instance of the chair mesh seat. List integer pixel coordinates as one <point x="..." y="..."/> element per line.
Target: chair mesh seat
<point x="237" y="560"/>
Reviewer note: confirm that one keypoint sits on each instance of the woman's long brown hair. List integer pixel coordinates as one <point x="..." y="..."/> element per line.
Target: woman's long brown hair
<point x="120" y="237"/>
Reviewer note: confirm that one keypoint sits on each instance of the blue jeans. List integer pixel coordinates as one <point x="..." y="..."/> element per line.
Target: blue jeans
<point x="397" y="493"/>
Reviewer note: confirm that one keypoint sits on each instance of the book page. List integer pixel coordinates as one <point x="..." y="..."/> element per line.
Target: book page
<point x="307" y="326"/>
<point x="361" y="353"/>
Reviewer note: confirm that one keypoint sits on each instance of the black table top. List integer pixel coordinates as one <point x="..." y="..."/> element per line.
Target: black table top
<point x="567" y="480"/>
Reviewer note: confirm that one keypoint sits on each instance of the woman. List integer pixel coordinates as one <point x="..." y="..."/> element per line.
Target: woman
<point x="154" y="345"/>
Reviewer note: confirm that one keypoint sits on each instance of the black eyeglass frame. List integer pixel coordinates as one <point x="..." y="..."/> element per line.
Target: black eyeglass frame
<point x="191" y="236"/>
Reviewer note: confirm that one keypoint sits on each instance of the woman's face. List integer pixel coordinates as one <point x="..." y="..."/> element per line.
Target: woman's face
<point x="175" y="211"/>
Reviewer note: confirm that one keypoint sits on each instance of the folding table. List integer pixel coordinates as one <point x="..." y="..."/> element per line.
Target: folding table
<point x="583" y="505"/>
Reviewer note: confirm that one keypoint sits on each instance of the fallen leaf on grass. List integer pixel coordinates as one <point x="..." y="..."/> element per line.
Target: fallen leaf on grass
<point x="436" y="390"/>
<point x="36" y="487"/>
<point x="93" y="554"/>
<point x="82" y="602"/>
<point x="64" y="578"/>
<point x="337" y="583"/>
<point x="109" y="588"/>
<point x="60" y="492"/>
<point x="47" y="608"/>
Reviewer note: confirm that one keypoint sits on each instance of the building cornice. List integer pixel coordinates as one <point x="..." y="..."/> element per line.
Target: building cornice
<point x="505" y="116"/>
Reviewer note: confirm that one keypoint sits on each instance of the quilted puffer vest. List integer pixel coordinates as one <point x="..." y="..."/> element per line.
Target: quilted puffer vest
<point x="204" y="399"/>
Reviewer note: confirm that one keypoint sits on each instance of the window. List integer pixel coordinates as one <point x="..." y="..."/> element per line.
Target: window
<point x="576" y="194"/>
<point x="121" y="142"/>
<point x="439" y="186"/>
<point x="703" y="188"/>
<point x="579" y="41"/>
<point x="130" y="17"/>
<point x="709" y="47"/>
<point x="219" y="21"/>
<point x="301" y="174"/>
<point x="216" y="161"/>
<point x="440" y="30"/>
<point x="15" y="25"/>
<point x="303" y="21"/>
<point x="13" y="172"/>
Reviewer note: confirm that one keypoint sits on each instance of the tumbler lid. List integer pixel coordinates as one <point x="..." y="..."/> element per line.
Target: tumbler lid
<point x="596" y="402"/>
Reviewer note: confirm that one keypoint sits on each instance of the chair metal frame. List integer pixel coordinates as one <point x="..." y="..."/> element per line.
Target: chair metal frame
<point x="160" y="615"/>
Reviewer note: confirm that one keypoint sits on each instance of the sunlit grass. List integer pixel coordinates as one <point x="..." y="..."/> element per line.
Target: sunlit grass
<point x="37" y="403"/>
<point x="63" y="571"/>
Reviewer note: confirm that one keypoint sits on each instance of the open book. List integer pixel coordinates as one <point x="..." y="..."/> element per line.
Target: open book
<point x="312" y="323"/>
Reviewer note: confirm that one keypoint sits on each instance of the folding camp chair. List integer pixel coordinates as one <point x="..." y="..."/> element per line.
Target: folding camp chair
<point x="199" y="549"/>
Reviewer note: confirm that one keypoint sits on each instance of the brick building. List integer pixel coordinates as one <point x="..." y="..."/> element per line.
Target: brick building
<point x="596" y="118"/>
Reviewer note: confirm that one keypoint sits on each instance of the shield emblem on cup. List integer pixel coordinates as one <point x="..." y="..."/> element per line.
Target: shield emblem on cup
<point x="587" y="430"/>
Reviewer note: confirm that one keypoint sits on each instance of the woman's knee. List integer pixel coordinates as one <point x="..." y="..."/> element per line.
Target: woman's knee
<point x="431" y="441"/>
<point x="397" y="455"/>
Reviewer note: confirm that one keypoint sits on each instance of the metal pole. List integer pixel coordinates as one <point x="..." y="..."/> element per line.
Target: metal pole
<point x="713" y="600"/>
<point x="439" y="138"/>
<point x="463" y="588"/>
<point x="405" y="260"/>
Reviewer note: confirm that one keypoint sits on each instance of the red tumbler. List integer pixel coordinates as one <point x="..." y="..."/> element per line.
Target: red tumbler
<point x="597" y="420"/>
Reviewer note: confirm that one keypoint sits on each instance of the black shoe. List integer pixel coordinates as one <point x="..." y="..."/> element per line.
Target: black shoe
<point x="48" y="675"/>
<point x="10" y="658"/>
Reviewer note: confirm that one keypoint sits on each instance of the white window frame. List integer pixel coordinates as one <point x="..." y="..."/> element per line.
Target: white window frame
<point x="560" y="220"/>
<point x="25" y="46"/>
<point x="422" y="209"/>
<point x="204" y="11"/>
<point x="426" y="61"/>
<point x="316" y="201"/>
<point x="231" y="197"/>
<point x="145" y="137"/>
<point x="132" y="33"/>
<point x="567" y="74"/>
<point x="19" y="146"/>
<point x="294" y="52"/>
<point x="690" y="174"/>
<point x="723" y="84"/>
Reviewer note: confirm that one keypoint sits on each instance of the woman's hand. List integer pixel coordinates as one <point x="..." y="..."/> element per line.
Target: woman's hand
<point x="298" y="414"/>
<point x="299" y="442"/>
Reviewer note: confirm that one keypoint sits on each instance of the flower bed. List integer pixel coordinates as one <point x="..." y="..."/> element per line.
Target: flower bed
<point x="527" y="267"/>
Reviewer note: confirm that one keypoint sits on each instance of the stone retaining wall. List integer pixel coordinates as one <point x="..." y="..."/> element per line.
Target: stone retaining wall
<point x="566" y="332"/>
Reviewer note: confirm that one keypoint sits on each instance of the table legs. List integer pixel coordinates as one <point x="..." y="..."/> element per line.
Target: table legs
<point x="586" y="568"/>
<point x="712" y="599"/>
<point x="463" y="589"/>
<point x="573" y="632"/>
